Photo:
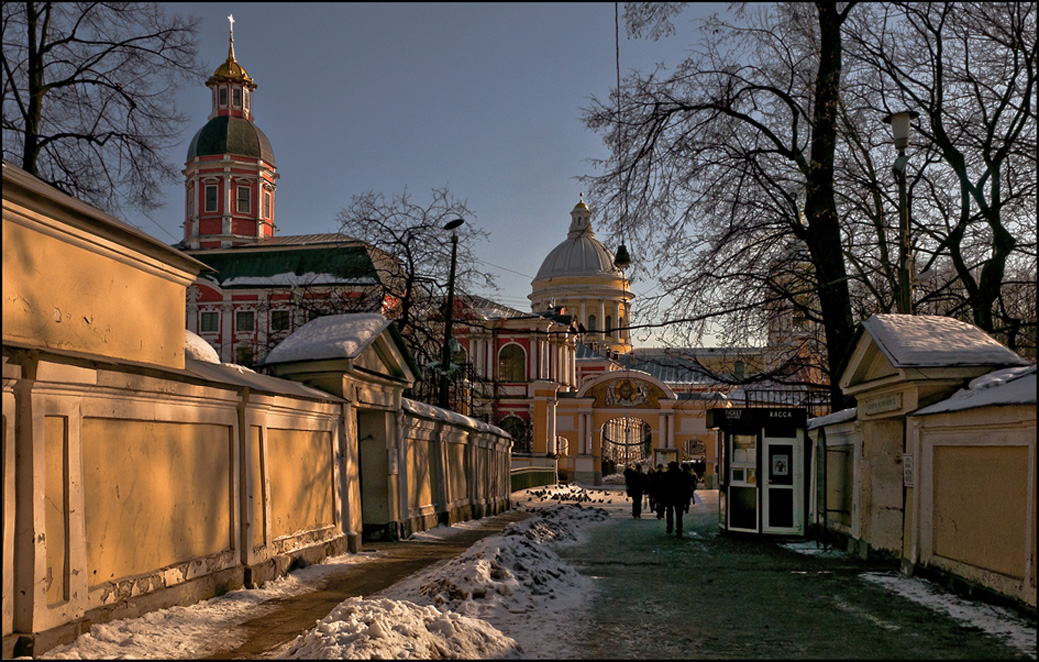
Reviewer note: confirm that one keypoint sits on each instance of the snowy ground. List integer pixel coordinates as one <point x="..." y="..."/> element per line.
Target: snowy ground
<point x="508" y="596"/>
<point x="998" y="622"/>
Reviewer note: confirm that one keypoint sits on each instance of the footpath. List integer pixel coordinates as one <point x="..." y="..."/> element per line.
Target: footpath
<point x="712" y="596"/>
<point x="295" y="615"/>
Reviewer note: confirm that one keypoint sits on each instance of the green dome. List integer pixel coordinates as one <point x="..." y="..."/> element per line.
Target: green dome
<point x="231" y="135"/>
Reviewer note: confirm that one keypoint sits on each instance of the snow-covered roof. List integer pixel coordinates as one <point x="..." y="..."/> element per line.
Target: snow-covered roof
<point x="240" y="376"/>
<point x="201" y="360"/>
<point x="330" y="337"/>
<point x="841" y="416"/>
<point x="910" y="341"/>
<point x="1008" y="386"/>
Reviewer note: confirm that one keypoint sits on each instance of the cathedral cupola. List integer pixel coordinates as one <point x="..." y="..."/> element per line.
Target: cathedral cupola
<point x="231" y="85"/>
<point x="229" y="174"/>
<point x="582" y="275"/>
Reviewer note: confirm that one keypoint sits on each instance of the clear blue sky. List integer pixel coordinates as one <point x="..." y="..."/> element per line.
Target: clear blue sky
<point x="485" y="99"/>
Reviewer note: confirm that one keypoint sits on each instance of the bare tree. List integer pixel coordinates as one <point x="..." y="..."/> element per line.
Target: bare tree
<point x="88" y="96"/>
<point x="415" y="258"/>
<point x="970" y="70"/>
<point x="719" y="166"/>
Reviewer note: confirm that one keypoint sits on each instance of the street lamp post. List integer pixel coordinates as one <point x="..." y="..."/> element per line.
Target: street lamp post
<point x="445" y="357"/>
<point x="900" y="129"/>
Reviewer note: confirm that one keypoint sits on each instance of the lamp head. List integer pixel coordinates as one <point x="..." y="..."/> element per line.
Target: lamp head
<point x="622" y="259"/>
<point x="900" y="126"/>
<point x="451" y="225"/>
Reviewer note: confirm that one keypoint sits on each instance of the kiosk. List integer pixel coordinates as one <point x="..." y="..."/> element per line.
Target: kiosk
<point x="763" y="469"/>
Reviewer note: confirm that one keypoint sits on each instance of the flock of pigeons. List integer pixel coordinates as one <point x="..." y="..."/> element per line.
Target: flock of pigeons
<point x="576" y="494"/>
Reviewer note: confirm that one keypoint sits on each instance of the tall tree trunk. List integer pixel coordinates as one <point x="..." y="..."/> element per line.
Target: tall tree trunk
<point x="34" y="109"/>
<point x="823" y="236"/>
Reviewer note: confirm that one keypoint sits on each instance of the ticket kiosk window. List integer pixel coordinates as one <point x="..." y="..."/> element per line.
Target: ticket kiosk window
<point x="763" y="469"/>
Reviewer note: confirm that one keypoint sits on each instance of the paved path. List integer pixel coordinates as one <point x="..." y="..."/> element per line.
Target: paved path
<point x="294" y="615"/>
<point x="712" y="596"/>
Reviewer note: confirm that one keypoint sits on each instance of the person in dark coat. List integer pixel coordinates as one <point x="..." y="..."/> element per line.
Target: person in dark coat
<point x="636" y="485"/>
<point x="674" y="489"/>
<point x="690" y="481"/>
<point x="656" y="491"/>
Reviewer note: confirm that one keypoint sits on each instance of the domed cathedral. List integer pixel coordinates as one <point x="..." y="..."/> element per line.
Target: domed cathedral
<point x="229" y="175"/>
<point x="580" y="276"/>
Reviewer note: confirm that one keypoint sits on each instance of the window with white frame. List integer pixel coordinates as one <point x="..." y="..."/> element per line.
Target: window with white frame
<point x="267" y="205"/>
<point x="236" y="97"/>
<point x="211" y="195"/>
<point x="280" y="320"/>
<point x="245" y="320"/>
<point x="244" y="199"/>
<point x="209" y="322"/>
<point x="512" y="364"/>
<point x="223" y="97"/>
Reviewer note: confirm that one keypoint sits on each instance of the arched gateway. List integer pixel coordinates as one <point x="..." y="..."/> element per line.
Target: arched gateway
<point x="623" y="407"/>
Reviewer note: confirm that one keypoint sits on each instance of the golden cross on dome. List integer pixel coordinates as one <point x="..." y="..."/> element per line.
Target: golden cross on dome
<point x="230" y="19"/>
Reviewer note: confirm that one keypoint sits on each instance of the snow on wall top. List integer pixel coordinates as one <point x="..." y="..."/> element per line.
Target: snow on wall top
<point x="836" y="417"/>
<point x="197" y="348"/>
<point x="436" y="413"/>
<point x="1007" y="386"/>
<point x="329" y="337"/>
<point x="930" y="340"/>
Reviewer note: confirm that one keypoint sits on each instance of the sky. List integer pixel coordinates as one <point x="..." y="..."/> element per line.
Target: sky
<point x="483" y="98"/>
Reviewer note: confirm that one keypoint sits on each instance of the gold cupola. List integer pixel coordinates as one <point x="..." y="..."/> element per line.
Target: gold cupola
<point x="230" y="70"/>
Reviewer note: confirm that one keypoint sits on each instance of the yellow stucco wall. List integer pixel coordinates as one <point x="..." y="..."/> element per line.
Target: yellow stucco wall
<point x="59" y="295"/>
<point x="840" y="483"/>
<point x="421" y="472"/>
<point x="300" y="465"/>
<point x="55" y="452"/>
<point x="456" y="466"/>
<point x="256" y="494"/>
<point x="982" y="527"/>
<point x="154" y="494"/>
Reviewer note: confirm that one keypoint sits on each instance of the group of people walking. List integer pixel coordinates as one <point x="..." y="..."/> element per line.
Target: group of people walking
<point x="669" y="492"/>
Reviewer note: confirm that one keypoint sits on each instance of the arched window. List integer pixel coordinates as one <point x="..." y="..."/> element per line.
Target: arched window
<point x="609" y="324"/>
<point x="512" y="364"/>
<point x="591" y="323"/>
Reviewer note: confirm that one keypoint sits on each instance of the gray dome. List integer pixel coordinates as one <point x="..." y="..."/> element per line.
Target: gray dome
<point x="231" y="135"/>
<point x="583" y="255"/>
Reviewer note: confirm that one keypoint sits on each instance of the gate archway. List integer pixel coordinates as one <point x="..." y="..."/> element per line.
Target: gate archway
<point x="621" y="417"/>
<point x="626" y="440"/>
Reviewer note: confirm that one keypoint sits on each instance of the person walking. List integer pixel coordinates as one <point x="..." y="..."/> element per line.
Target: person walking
<point x="636" y="485"/>
<point x="674" y="489"/>
<point x="651" y="488"/>
<point x="656" y="488"/>
<point x="689" y="478"/>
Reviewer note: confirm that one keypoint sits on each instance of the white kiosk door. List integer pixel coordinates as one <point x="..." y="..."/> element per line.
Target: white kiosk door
<point x="782" y="486"/>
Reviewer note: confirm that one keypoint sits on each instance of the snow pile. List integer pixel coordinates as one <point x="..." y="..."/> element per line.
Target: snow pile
<point x="201" y="629"/>
<point x="500" y="573"/>
<point x="558" y="523"/>
<point x="613" y="479"/>
<point x="197" y="348"/>
<point x="381" y="628"/>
